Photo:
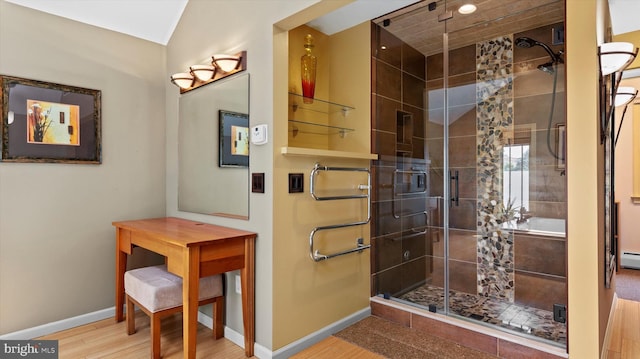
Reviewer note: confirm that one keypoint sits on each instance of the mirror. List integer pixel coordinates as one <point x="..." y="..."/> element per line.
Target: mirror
<point x="204" y="186"/>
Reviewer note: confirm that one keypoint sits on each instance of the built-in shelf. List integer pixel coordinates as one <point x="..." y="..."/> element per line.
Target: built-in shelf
<point x="299" y="122"/>
<point x="313" y="152"/>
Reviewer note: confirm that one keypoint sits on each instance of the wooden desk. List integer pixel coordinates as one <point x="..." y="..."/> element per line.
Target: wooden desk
<point x="192" y="250"/>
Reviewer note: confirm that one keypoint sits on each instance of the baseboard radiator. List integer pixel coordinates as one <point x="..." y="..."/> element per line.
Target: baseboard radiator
<point x="630" y="260"/>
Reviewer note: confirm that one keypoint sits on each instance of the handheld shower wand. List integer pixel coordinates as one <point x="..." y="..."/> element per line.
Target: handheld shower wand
<point x="548" y="67"/>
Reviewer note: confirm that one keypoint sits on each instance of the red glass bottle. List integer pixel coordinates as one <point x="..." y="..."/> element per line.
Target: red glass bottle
<point x="308" y="66"/>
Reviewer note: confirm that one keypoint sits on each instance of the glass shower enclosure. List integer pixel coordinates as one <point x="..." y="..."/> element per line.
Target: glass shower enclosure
<point x="469" y="207"/>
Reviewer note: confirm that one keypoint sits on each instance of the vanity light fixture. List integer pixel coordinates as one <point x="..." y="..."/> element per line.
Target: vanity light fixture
<point x="226" y="63"/>
<point x="203" y="72"/>
<point x="220" y="67"/>
<point x="467" y="9"/>
<point x="183" y="80"/>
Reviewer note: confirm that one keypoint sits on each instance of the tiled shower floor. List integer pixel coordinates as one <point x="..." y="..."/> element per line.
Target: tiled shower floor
<point x="514" y="317"/>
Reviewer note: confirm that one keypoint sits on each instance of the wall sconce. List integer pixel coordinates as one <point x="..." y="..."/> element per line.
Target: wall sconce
<point x="199" y="75"/>
<point x="613" y="58"/>
<point x="616" y="56"/>
<point x="623" y="97"/>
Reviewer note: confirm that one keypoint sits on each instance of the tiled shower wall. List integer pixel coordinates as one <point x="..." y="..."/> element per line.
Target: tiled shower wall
<point x="403" y="259"/>
<point x="401" y="246"/>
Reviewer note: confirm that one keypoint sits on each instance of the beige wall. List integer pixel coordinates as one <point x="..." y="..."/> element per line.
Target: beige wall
<point x="56" y="238"/>
<point x="67" y="253"/>
<point x="307" y="295"/>
<point x="625" y="177"/>
<point x="634" y="38"/>
<point x="589" y="301"/>
<point x="207" y="28"/>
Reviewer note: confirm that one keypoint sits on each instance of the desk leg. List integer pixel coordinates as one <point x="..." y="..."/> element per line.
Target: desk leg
<point x="190" y="293"/>
<point x="247" y="278"/>
<point x="121" y="266"/>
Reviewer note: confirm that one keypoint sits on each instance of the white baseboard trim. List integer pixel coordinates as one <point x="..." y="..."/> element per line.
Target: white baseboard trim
<point x="236" y="338"/>
<point x="60" y="325"/>
<point x="313" y="338"/>
<point x="292" y="348"/>
<point x="260" y="351"/>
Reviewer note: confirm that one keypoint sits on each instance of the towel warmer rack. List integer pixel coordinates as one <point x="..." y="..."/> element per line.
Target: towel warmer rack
<point x="360" y="246"/>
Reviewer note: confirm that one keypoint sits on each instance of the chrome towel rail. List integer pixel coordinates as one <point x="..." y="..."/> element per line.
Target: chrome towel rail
<point x="360" y="246"/>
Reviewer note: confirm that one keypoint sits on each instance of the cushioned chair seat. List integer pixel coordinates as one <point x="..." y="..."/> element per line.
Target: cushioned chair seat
<point x="156" y="289"/>
<point x="158" y="293"/>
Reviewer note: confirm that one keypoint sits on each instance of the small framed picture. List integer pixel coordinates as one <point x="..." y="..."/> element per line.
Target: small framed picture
<point x="234" y="139"/>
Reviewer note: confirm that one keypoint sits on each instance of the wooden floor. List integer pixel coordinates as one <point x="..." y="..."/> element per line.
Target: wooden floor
<point x="107" y="339"/>
<point x="625" y="331"/>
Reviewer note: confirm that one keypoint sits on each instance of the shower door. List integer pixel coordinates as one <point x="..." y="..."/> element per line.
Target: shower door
<point x="483" y="131"/>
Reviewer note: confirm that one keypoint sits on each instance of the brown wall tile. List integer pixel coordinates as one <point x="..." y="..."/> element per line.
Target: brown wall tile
<point x="384" y="143"/>
<point x="393" y="52"/>
<point x="540" y="255"/>
<point x="387" y="282"/>
<point x="414" y="273"/>
<point x="391" y="78"/>
<point x="413" y="90"/>
<point x="540" y="291"/>
<point x="413" y="61"/>
<point x="463" y="276"/>
<point x="386" y="253"/>
<point x="463" y="246"/>
<point x="384" y="115"/>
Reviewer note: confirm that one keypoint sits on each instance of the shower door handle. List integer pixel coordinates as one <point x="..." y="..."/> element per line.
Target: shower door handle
<point x="454" y="176"/>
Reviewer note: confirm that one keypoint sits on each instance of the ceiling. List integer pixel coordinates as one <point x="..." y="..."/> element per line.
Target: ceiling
<point x="133" y="16"/>
<point x="152" y="20"/>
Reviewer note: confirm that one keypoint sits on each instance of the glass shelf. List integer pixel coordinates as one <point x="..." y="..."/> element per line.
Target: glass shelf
<point x="296" y="127"/>
<point x="296" y="101"/>
<point x="314" y="152"/>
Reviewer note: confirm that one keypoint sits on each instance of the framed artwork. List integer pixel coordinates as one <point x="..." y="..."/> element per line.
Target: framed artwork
<point x="234" y="139"/>
<point x="561" y="147"/>
<point x="47" y="122"/>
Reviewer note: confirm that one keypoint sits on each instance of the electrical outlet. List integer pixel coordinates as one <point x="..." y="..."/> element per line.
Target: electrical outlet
<point x="238" y="285"/>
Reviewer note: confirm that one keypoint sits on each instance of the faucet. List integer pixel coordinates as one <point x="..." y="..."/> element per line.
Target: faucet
<point x="524" y="215"/>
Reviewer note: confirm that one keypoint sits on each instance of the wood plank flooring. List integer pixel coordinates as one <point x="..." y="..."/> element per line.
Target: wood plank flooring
<point x="107" y="339"/>
<point x="625" y="331"/>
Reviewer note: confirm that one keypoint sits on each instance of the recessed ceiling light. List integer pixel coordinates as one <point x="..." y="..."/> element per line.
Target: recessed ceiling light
<point x="467" y="9"/>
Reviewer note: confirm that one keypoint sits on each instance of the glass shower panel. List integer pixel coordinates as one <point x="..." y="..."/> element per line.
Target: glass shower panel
<point x="469" y="209"/>
<point x="407" y="134"/>
<point x="505" y="102"/>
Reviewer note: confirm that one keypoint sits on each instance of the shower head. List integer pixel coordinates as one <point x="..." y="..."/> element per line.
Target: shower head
<point x="527" y="42"/>
<point x="547" y="68"/>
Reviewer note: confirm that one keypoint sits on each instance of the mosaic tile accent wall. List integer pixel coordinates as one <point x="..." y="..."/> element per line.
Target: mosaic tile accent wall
<point x="494" y="116"/>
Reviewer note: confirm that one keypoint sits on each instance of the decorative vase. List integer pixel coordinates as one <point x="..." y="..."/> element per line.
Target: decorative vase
<point x="308" y="62"/>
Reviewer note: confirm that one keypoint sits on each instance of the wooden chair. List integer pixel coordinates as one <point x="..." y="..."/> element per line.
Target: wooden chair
<point x="158" y="293"/>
